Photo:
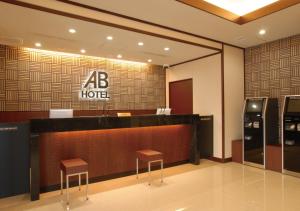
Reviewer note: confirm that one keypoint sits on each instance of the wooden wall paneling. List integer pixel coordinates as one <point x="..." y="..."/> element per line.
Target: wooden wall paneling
<point x="273" y="70"/>
<point x="33" y="80"/>
<point x="237" y="151"/>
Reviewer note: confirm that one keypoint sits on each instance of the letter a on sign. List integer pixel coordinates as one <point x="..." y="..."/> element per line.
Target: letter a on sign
<point x="92" y="80"/>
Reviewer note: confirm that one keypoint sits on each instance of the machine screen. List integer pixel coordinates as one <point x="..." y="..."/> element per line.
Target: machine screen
<point x="293" y="106"/>
<point x="254" y="106"/>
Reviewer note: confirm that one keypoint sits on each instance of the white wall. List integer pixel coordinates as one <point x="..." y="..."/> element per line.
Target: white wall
<point x="206" y="75"/>
<point x="233" y="95"/>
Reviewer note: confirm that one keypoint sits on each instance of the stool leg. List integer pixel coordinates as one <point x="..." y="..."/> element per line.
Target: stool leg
<point x="67" y="184"/>
<point x="161" y="170"/>
<point x="87" y="184"/>
<point x="79" y="181"/>
<point x="149" y="172"/>
<point x="61" y="182"/>
<point x="137" y="168"/>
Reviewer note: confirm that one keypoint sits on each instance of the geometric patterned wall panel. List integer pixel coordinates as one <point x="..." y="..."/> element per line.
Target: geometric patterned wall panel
<point x="35" y="80"/>
<point x="273" y="69"/>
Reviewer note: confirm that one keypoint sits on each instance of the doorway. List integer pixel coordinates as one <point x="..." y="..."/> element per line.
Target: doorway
<point x="181" y="96"/>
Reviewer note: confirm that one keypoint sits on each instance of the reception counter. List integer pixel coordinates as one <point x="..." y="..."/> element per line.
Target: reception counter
<point x="108" y="144"/>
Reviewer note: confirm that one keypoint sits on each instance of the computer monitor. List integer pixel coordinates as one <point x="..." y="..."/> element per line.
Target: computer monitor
<point x="60" y="113"/>
<point x="254" y="106"/>
<point x="163" y="111"/>
<point x="293" y="105"/>
<point x="167" y="111"/>
<point x="159" y="111"/>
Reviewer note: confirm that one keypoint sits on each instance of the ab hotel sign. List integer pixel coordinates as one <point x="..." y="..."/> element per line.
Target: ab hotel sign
<point x="95" y="86"/>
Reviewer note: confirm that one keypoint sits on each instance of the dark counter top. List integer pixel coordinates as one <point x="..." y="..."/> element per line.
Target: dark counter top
<point x="108" y="122"/>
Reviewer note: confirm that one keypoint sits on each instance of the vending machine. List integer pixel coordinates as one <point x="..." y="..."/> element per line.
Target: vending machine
<point x="260" y="128"/>
<point x="291" y="135"/>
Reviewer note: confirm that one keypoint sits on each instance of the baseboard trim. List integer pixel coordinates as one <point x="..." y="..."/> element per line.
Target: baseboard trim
<point x="220" y="160"/>
<point x="227" y="160"/>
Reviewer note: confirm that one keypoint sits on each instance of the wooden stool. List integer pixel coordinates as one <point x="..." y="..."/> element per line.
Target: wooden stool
<point x="70" y="168"/>
<point x="149" y="156"/>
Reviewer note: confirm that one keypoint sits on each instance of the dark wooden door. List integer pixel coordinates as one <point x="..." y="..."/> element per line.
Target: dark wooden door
<point x="181" y="96"/>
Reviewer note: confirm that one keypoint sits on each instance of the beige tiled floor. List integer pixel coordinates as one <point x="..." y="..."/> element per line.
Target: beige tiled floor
<point x="208" y="187"/>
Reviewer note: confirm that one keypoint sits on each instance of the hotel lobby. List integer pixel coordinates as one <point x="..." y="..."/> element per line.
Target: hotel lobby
<point x="173" y="105"/>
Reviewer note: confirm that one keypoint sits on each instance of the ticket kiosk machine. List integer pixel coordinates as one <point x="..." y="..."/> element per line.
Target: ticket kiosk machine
<point x="260" y="128"/>
<point x="291" y="135"/>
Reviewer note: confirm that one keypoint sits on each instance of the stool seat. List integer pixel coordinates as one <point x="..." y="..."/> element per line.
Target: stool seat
<point x="149" y="155"/>
<point x="74" y="166"/>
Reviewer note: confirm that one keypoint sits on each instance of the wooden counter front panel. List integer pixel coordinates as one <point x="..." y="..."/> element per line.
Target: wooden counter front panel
<point x="237" y="151"/>
<point x="274" y="158"/>
<point x="110" y="151"/>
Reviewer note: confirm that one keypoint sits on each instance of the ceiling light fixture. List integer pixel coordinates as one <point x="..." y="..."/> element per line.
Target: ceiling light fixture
<point x="262" y="32"/>
<point x="241" y="7"/>
<point x="140" y="43"/>
<point x="166" y="48"/>
<point x="38" y="44"/>
<point x="82" y="51"/>
<point x="149" y="60"/>
<point x="119" y="56"/>
<point x="72" y="31"/>
<point x="109" y="38"/>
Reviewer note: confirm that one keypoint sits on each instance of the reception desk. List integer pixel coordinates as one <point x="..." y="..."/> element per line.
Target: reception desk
<point x="108" y="144"/>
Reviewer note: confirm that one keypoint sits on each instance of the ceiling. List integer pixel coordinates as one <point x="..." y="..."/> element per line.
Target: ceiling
<point x="240" y="11"/>
<point x="174" y="14"/>
<point x="24" y="27"/>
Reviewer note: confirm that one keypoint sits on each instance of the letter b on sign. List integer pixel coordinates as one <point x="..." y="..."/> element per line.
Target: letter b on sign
<point x="98" y="79"/>
<point x="102" y="80"/>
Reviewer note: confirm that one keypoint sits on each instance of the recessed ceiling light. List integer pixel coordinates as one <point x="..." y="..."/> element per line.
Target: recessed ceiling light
<point x="140" y="43"/>
<point x="166" y="48"/>
<point x="72" y="31"/>
<point x="109" y="38"/>
<point x="119" y="56"/>
<point x="38" y="44"/>
<point x="241" y="7"/>
<point x="149" y="60"/>
<point x="82" y="51"/>
<point x="262" y="32"/>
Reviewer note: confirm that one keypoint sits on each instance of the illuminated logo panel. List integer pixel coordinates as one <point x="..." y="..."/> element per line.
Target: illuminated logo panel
<point x="95" y="87"/>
